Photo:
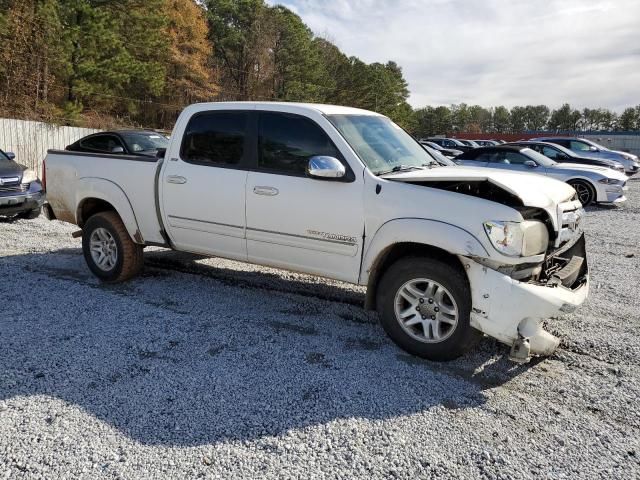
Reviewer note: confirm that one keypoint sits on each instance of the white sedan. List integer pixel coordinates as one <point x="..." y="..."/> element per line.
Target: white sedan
<point x="593" y="184"/>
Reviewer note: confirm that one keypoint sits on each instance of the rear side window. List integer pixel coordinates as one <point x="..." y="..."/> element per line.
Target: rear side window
<point x="579" y="146"/>
<point x="215" y="138"/>
<point x="287" y="142"/>
<point x="101" y="143"/>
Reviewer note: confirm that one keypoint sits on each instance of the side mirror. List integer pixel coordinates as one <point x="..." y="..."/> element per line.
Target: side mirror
<point x="161" y="152"/>
<point x="117" y="150"/>
<point x="11" y="155"/>
<point x="530" y="164"/>
<point x="593" y="149"/>
<point x="325" y="168"/>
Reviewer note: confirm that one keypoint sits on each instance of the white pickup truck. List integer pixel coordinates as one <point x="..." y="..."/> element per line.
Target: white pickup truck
<point x="446" y="253"/>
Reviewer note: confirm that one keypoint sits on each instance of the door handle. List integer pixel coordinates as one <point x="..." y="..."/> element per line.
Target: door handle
<point x="268" y="191"/>
<point x="176" y="179"/>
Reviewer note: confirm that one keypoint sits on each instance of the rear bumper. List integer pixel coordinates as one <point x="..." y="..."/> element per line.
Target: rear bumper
<point x="19" y="203"/>
<point x="510" y="310"/>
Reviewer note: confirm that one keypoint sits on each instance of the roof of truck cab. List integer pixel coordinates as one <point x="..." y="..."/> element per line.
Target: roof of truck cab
<point x="317" y="107"/>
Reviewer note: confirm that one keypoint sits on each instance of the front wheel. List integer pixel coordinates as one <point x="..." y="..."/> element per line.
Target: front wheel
<point x="586" y="193"/>
<point x="425" y="306"/>
<point x="108" y="249"/>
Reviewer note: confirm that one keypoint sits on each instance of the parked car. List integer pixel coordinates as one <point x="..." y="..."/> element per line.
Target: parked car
<point x="445" y="252"/>
<point x="592" y="184"/>
<point x="450" y="143"/>
<point x="584" y="147"/>
<point x="448" y="152"/>
<point x="560" y="154"/>
<point x="122" y="142"/>
<point x="21" y="193"/>
<point x="487" y="143"/>
<point x="437" y="155"/>
<point x="469" y="143"/>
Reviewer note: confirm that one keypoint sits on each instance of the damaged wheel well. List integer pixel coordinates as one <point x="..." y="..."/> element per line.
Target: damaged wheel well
<point x="395" y="252"/>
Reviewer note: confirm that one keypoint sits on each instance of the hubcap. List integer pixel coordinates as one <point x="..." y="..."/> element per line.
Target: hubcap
<point x="426" y="310"/>
<point x="104" y="250"/>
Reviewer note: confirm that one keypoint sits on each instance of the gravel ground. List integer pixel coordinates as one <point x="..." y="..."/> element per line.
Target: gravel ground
<point x="209" y="368"/>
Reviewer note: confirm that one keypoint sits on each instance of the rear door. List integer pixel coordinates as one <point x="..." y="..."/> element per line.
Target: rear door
<point x="203" y="184"/>
<point x="294" y="221"/>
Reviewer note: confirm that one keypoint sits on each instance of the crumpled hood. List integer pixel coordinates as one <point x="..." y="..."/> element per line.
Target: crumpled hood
<point x="534" y="190"/>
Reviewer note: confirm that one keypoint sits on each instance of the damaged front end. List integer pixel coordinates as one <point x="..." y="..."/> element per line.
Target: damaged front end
<point x="510" y="302"/>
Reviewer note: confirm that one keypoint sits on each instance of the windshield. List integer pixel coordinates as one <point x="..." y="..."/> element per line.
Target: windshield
<point x="538" y="157"/>
<point x="381" y="144"/>
<point x="144" y="142"/>
<point x="3" y="157"/>
<point x="592" y="143"/>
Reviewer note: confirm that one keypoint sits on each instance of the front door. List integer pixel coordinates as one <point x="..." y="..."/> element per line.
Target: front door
<point x="294" y="221"/>
<point x="203" y="185"/>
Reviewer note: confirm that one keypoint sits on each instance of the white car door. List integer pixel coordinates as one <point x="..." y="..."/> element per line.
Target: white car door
<point x="297" y="222"/>
<point x="203" y="185"/>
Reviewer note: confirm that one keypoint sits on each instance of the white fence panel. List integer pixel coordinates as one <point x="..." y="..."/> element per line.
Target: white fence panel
<point x="31" y="140"/>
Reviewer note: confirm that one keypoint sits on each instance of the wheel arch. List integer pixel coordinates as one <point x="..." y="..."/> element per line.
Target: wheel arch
<point x="589" y="182"/>
<point x="414" y="237"/>
<point x="95" y="195"/>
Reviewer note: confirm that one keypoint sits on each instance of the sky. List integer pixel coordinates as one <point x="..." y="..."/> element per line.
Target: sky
<point x="493" y="52"/>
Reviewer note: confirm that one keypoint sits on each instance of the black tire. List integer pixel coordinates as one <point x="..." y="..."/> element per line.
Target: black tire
<point x="31" y="214"/>
<point x="129" y="255"/>
<point x="586" y="192"/>
<point x="459" y="339"/>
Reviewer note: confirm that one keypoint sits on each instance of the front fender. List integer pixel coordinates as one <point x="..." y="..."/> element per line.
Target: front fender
<point x="110" y="192"/>
<point x="433" y="233"/>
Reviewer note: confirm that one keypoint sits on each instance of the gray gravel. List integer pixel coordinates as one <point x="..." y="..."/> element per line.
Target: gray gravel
<point x="209" y="368"/>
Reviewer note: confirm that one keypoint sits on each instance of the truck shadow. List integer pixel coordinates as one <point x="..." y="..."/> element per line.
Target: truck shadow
<point x="216" y="354"/>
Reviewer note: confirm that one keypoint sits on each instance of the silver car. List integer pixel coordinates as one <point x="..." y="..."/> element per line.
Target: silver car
<point x="592" y="184"/>
<point x="587" y="148"/>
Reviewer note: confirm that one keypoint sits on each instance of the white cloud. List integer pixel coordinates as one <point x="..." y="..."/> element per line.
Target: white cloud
<point x="511" y="52"/>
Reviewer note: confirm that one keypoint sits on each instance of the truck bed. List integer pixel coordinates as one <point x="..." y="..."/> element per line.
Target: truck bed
<point x="73" y="176"/>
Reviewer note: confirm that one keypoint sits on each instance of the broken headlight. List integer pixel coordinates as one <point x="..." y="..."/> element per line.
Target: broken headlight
<point x="518" y="239"/>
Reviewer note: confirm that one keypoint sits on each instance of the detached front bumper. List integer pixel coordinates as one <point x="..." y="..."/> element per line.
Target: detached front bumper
<point x="512" y="311"/>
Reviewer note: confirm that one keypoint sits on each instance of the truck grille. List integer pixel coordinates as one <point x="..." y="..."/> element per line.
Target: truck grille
<point x="19" y="188"/>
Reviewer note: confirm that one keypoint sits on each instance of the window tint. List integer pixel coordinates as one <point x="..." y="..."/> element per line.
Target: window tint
<point x="552" y="153"/>
<point x="215" y="138"/>
<point x="485" y="157"/>
<point x="579" y="146"/>
<point x="564" y="143"/>
<point x="101" y="143"/>
<point x="509" y="158"/>
<point x="287" y="142"/>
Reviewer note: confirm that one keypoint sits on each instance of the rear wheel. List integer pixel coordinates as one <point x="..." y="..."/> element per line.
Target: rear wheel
<point x="425" y="308"/>
<point x="108" y="249"/>
<point x="586" y="192"/>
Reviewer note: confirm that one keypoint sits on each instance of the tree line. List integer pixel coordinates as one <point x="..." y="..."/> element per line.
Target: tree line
<point x="477" y="119"/>
<point x="103" y="63"/>
<point x="141" y="61"/>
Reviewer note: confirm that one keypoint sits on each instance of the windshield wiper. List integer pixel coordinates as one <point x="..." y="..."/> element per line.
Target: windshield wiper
<point x="401" y="168"/>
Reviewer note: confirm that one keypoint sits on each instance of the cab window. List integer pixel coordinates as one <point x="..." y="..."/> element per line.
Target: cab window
<point x="215" y="138"/>
<point x="286" y="142"/>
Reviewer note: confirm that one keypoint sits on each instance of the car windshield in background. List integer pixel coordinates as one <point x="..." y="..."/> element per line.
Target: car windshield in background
<point x="538" y="157"/>
<point x="145" y="142"/>
<point x="381" y="144"/>
<point x="3" y="157"/>
<point x="439" y="157"/>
